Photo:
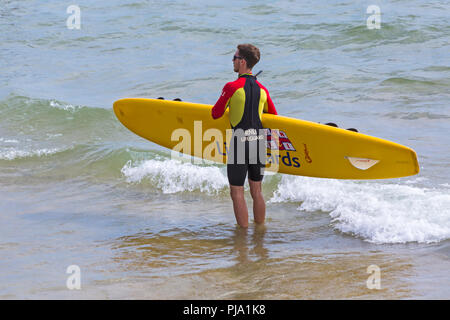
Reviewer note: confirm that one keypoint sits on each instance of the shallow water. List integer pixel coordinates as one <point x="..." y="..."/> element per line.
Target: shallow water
<point x="77" y="188"/>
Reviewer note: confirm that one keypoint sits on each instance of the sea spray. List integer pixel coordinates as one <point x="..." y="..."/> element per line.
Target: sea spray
<point x="175" y="176"/>
<point x="376" y="212"/>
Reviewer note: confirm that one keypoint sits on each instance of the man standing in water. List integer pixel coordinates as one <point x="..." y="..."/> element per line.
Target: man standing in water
<point x="247" y="100"/>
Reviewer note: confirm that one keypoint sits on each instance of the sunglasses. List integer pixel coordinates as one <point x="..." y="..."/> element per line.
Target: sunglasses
<point x="237" y="57"/>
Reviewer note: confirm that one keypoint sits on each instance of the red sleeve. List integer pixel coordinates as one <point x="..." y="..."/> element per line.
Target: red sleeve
<point x="219" y="108"/>
<point x="270" y="106"/>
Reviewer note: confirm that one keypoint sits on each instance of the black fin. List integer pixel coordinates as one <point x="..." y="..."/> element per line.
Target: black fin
<point x="161" y="98"/>
<point x="352" y="129"/>
<point x="177" y="99"/>
<point x="332" y="124"/>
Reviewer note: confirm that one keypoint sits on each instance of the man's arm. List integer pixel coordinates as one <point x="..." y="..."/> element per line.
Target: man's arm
<point x="219" y="108"/>
<point x="269" y="107"/>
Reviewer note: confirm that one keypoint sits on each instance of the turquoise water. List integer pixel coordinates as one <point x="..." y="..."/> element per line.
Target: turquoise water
<point x="77" y="188"/>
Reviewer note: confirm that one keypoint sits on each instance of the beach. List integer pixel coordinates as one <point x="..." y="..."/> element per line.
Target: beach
<point x="79" y="189"/>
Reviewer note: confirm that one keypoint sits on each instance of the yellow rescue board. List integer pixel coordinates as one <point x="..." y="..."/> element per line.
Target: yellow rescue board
<point x="304" y="148"/>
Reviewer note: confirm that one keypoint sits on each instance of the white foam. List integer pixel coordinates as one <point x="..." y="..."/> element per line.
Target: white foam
<point x="67" y="107"/>
<point x="173" y="176"/>
<point x="8" y="140"/>
<point x="377" y="212"/>
<point x="14" y="153"/>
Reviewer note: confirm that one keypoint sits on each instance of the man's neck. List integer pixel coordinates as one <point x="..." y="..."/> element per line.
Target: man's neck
<point x="247" y="71"/>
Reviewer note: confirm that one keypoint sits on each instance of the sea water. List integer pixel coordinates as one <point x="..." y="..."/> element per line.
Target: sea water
<point x="78" y="189"/>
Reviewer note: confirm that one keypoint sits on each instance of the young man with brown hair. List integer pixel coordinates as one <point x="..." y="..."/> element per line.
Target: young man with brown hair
<point x="247" y="100"/>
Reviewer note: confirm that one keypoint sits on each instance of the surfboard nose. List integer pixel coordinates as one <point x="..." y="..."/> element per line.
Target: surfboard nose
<point x="119" y="109"/>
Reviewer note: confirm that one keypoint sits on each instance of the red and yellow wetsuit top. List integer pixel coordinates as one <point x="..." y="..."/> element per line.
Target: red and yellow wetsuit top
<point x="247" y="99"/>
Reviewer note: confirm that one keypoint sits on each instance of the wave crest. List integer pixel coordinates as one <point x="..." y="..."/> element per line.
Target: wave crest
<point x="379" y="213"/>
<point x="173" y="176"/>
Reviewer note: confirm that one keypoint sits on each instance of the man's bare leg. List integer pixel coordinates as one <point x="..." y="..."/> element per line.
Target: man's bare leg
<point x="259" y="205"/>
<point x="239" y="205"/>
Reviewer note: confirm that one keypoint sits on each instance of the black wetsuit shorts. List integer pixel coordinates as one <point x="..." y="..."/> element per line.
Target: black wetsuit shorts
<point x="249" y="163"/>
